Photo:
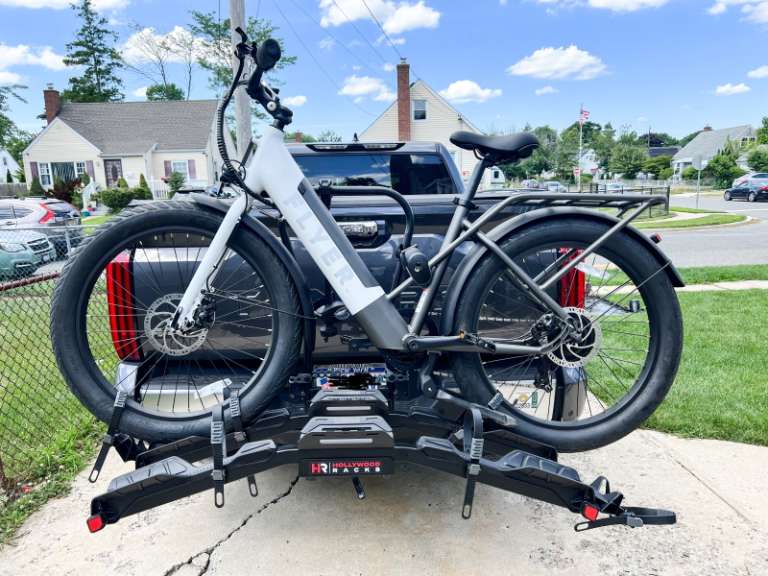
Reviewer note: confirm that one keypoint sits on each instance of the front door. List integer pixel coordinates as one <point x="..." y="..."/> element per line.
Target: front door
<point x="114" y="171"/>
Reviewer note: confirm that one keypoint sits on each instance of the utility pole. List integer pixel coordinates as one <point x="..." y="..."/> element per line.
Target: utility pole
<point x="581" y="142"/>
<point x="242" y="101"/>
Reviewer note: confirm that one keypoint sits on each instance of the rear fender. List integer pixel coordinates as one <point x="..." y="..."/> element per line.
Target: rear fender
<point x="515" y="225"/>
<point x="285" y="257"/>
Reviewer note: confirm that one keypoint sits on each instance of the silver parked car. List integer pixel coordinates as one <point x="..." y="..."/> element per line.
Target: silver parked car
<point x="56" y="219"/>
<point x="22" y="252"/>
<point x="754" y="179"/>
<point x="554" y="186"/>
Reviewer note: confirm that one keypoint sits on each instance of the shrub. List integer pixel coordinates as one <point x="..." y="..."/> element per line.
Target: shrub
<point x="758" y="159"/>
<point x="175" y="182"/>
<point x="121" y="183"/>
<point x="690" y="173"/>
<point x="143" y="182"/>
<point x="36" y="189"/>
<point x="140" y="193"/>
<point x="666" y="174"/>
<point x="116" y="198"/>
<point x="64" y="190"/>
<point x="20" y="175"/>
<point x="85" y="179"/>
<point x="8" y="177"/>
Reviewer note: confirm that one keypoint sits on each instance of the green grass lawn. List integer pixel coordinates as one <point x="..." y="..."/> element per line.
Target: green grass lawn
<point x="721" y="389"/>
<point x="708" y="274"/>
<point x="711" y="219"/>
<point x="97" y="220"/>
<point x="693" y="210"/>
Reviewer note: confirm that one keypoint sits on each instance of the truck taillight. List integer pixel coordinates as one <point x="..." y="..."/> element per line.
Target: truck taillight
<point x="573" y="286"/>
<point x="122" y="323"/>
<point x="48" y="216"/>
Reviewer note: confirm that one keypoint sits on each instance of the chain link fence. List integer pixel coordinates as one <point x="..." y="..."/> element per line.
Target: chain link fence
<point x="37" y="410"/>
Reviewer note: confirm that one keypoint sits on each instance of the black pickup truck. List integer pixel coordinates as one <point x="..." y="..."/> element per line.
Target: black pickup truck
<point x="424" y="173"/>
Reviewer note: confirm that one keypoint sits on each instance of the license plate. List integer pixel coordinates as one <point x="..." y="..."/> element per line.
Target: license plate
<point x="346" y="467"/>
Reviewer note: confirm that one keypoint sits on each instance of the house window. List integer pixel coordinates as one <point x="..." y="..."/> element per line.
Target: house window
<point x="45" y="173"/>
<point x="79" y="169"/>
<point x="419" y="109"/>
<point x="181" y="167"/>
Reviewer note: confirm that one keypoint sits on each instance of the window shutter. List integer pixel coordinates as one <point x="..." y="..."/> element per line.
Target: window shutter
<point x="89" y="169"/>
<point x="191" y="169"/>
<point x="167" y="165"/>
<point x="33" y="169"/>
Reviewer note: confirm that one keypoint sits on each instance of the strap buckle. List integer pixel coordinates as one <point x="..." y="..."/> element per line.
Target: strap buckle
<point x="473" y="444"/>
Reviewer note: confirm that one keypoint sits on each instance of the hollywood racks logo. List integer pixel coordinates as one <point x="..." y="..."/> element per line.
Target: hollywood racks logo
<point x="340" y="468"/>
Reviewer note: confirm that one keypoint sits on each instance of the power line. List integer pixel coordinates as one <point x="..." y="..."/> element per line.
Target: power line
<point x="314" y="59"/>
<point x="359" y="32"/>
<point x="335" y="39"/>
<point x="392" y="44"/>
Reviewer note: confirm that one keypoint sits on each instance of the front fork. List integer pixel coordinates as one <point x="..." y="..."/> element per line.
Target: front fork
<point x="187" y="310"/>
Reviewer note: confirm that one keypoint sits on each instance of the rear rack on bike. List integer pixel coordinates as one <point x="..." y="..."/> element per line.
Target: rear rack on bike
<point x="355" y="433"/>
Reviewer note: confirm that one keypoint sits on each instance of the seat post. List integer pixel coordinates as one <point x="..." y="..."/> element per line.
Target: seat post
<point x="474" y="180"/>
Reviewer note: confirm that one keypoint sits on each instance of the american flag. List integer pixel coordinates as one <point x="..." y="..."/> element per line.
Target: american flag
<point x="584" y="116"/>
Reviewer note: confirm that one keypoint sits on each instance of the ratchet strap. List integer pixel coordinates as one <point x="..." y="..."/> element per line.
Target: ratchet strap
<point x="110" y="437"/>
<point x="473" y="446"/>
<point x="219" y="450"/>
<point x="232" y="393"/>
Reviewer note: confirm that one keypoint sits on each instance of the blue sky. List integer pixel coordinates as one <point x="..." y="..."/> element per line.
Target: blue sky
<point x="674" y="65"/>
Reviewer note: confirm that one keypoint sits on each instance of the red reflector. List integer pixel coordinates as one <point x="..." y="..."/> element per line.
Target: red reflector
<point x="573" y="286"/>
<point x="95" y="523"/>
<point x="590" y="512"/>
<point x="656" y="238"/>
<point x="121" y="310"/>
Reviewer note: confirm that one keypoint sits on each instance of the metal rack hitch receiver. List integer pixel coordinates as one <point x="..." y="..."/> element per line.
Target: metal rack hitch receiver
<point x="354" y="433"/>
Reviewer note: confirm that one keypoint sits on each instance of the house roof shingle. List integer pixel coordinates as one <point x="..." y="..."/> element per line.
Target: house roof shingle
<point x="709" y="142"/>
<point x="121" y="128"/>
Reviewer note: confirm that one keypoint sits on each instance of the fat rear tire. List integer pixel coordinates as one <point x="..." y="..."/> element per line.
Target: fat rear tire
<point x="668" y="330"/>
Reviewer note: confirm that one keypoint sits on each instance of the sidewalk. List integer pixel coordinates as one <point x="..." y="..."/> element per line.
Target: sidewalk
<point x="411" y="524"/>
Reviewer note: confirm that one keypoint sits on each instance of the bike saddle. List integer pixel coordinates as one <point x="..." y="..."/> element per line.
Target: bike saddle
<point x="510" y="147"/>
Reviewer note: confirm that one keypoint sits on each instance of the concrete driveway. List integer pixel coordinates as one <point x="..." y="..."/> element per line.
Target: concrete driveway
<point x="410" y="524"/>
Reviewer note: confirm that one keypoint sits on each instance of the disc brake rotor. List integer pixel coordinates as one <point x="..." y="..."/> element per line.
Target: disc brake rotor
<point x="575" y="351"/>
<point x="163" y="338"/>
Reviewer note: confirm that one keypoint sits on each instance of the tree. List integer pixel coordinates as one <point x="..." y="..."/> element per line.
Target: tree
<point x="93" y="50"/>
<point x="690" y="173"/>
<point x="723" y="167"/>
<point x="762" y="132"/>
<point x="627" y="159"/>
<point x="7" y="126"/>
<point x="35" y="189"/>
<point x="214" y="49"/>
<point x="164" y="92"/>
<point x="603" y="144"/>
<point x="17" y="142"/>
<point x="8" y="176"/>
<point x="758" y="159"/>
<point x="654" y="166"/>
<point x="175" y="182"/>
<point x="656" y="139"/>
<point x="687" y="139"/>
<point x="328" y="136"/>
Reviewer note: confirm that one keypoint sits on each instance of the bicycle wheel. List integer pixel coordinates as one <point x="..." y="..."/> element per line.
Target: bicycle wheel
<point x="594" y="387"/>
<point x="112" y="311"/>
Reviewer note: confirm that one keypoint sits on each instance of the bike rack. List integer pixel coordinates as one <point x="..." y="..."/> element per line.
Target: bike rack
<point x="355" y="433"/>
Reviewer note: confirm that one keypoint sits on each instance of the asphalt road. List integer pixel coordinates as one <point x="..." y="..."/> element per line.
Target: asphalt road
<point x="743" y="244"/>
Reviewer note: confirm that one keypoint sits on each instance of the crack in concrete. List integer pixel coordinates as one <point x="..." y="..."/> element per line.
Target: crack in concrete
<point x="211" y="549"/>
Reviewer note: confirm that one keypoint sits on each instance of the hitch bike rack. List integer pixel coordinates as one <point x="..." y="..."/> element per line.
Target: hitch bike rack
<point x="355" y="433"/>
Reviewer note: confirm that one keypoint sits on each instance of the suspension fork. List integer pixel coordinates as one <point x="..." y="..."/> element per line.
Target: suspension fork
<point x="210" y="265"/>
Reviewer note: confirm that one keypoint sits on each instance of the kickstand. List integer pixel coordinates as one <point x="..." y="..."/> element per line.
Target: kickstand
<point x="358" y="485"/>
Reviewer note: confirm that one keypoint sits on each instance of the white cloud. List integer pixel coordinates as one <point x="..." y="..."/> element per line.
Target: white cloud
<point x="613" y="5"/>
<point x="295" y="100"/>
<point x="135" y="50"/>
<point x="9" y="78"/>
<point x="140" y="92"/>
<point x="731" y="89"/>
<point x="394" y="40"/>
<point x="468" y="91"/>
<point x="559" y="64"/>
<point x="754" y="10"/>
<point x="388" y="67"/>
<point x="395" y="17"/>
<point x="23" y="55"/>
<point x="326" y="43"/>
<point x="761" y="72"/>
<point x="361" y="86"/>
<point x="98" y="5"/>
<point x="545" y="90"/>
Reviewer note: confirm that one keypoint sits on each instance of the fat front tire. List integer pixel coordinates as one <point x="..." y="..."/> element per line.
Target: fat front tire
<point x="71" y="322"/>
<point x="665" y="334"/>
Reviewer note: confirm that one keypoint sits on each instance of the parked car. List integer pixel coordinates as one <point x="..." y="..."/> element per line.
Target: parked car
<point x="56" y="219"/>
<point x="554" y="186"/>
<point x="749" y="190"/>
<point x="530" y="183"/>
<point x="758" y="178"/>
<point x="611" y="188"/>
<point x="22" y="252"/>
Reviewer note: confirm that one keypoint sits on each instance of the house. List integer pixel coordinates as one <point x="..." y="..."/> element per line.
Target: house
<point x="659" y="151"/>
<point x="420" y="114"/>
<point x="708" y="143"/>
<point x="113" y="140"/>
<point x="7" y="164"/>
